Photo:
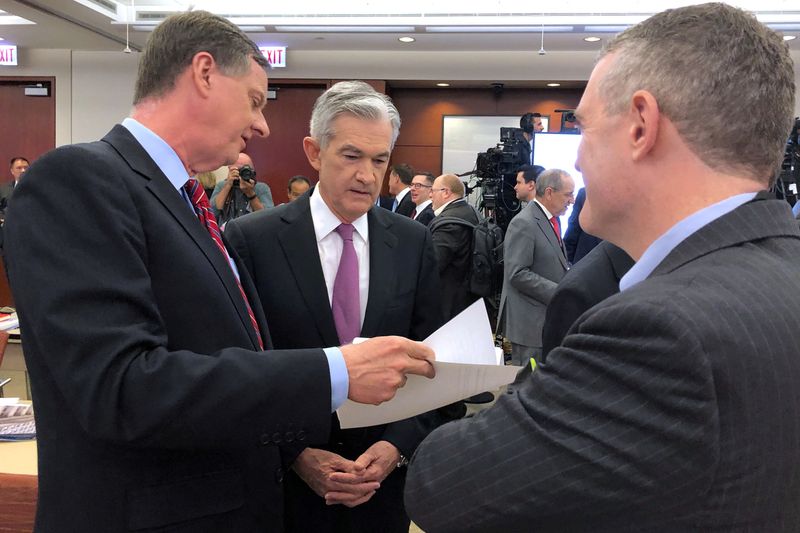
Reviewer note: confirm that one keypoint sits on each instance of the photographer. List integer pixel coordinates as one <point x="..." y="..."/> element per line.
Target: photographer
<point x="240" y="193"/>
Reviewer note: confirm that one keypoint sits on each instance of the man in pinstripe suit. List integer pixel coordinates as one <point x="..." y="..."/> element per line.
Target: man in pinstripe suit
<point x="675" y="404"/>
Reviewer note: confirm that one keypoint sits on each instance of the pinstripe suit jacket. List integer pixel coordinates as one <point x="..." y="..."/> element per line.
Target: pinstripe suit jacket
<point x="673" y="406"/>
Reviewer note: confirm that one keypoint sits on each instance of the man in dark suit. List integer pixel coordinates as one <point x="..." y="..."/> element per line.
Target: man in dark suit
<point x="421" y="186"/>
<point x="18" y="166"/>
<point x="533" y="263"/>
<point x="294" y="256"/>
<point x="400" y="177"/>
<point x="673" y="405"/>
<point x="452" y="242"/>
<point x="577" y="242"/>
<point x="156" y="408"/>
<point x="530" y="124"/>
<point x="583" y="286"/>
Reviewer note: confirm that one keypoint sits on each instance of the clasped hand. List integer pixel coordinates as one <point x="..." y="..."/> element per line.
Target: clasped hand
<point x="341" y="481"/>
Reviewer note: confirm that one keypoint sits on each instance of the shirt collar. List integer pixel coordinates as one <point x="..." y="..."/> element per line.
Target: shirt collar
<point x="423" y="205"/>
<point x="325" y="221"/>
<point x="547" y="213"/>
<point x="160" y="152"/>
<point x="402" y="195"/>
<point x="661" y="247"/>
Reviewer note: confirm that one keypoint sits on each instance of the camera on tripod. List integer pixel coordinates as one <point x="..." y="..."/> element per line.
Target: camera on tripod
<point x="247" y="173"/>
<point x="496" y="170"/>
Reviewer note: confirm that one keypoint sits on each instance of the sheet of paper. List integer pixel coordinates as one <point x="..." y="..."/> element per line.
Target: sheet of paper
<point x="466" y="338"/>
<point x="467" y="363"/>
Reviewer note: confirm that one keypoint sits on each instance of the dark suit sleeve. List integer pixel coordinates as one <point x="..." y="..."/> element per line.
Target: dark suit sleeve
<point x="622" y="420"/>
<point x="448" y="239"/>
<point x="81" y="255"/>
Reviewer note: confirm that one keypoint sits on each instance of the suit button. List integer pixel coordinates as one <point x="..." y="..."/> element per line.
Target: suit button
<point x="279" y="475"/>
<point x="289" y="437"/>
<point x="301" y="435"/>
<point x="265" y="439"/>
<point x="276" y="438"/>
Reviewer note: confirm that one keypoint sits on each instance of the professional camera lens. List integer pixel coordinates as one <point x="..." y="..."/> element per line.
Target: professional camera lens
<point x="247" y="173"/>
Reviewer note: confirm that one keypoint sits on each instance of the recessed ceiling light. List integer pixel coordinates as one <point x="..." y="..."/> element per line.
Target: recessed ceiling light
<point x="443" y="85"/>
<point x="789" y="37"/>
<point x="591" y="39"/>
<point x="554" y="85"/>
<point x="406" y="39"/>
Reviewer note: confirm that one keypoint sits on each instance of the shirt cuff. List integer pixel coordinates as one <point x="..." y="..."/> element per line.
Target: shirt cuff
<point x="340" y="382"/>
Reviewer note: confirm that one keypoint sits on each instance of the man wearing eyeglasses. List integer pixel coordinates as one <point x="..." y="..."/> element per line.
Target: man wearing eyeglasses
<point x="421" y="186"/>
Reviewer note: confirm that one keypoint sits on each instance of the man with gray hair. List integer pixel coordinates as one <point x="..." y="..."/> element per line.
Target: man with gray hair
<point x="534" y="261"/>
<point x="672" y="405"/>
<point x="160" y="404"/>
<point x="328" y="268"/>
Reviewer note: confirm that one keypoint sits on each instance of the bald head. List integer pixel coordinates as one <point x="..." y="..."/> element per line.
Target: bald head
<point x="446" y="188"/>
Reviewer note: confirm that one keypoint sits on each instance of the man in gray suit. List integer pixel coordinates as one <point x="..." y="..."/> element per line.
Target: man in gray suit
<point x="672" y="405"/>
<point x="534" y="261"/>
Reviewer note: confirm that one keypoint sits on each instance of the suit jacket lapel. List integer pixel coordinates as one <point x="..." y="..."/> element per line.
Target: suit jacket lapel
<point x="137" y="158"/>
<point x="381" y="270"/>
<point x="550" y="234"/>
<point x="299" y="244"/>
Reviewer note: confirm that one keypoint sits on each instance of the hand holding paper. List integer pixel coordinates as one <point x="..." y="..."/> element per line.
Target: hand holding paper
<point x="466" y="364"/>
<point x="377" y="368"/>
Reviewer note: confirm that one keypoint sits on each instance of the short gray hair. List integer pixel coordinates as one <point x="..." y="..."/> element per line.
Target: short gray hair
<point x="551" y="178"/>
<point x="705" y="64"/>
<point x="354" y="98"/>
<point x="175" y="41"/>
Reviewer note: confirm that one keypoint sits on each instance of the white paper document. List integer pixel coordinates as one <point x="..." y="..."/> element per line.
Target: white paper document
<point x="466" y="363"/>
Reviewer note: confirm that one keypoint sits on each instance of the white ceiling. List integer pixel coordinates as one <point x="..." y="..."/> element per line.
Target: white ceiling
<point x="466" y="59"/>
<point x="72" y="25"/>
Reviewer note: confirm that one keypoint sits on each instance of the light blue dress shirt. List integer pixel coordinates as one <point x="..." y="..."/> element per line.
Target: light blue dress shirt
<point x="678" y="233"/>
<point x="170" y="164"/>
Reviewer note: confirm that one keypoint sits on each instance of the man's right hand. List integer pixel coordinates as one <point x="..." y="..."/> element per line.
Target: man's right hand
<point x="377" y="368"/>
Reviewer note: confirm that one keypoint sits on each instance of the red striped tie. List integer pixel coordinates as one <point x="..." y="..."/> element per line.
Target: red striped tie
<point x="203" y="211"/>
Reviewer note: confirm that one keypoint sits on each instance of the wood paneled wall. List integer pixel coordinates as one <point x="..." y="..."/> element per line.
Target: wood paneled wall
<point x="420" y="141"/>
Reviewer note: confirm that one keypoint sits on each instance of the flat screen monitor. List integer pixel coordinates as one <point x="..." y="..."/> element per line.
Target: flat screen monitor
<point x="559" y="150"/>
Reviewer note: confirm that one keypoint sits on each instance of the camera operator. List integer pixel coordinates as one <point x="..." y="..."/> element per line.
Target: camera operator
<point x="240" y="193"/>
<point x="530" y="123"/>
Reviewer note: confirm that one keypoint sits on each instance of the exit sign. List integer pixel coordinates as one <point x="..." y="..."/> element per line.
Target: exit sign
<point x="8" y="54"/>
<point x="276" y="55"/>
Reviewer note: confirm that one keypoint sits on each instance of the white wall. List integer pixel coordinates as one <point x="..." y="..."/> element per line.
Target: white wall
<point x="102" y="92"/>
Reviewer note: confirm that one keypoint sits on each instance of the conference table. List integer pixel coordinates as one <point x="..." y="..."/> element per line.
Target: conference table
<point x="18" y="484"/>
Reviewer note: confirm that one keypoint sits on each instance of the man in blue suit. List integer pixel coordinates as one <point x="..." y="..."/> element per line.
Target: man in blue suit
<point x="159" y="403"/>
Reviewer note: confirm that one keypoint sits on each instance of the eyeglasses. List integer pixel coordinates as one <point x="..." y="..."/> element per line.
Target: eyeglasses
<point x="442" y="189"/>
<point x="420" y="186"/>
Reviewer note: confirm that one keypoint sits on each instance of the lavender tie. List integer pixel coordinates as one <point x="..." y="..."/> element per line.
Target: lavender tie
<point x="346" y="300"/>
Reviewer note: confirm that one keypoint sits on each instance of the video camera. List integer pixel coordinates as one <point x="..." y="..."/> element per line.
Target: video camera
<point x="496" y="170"/>
<point x="247" y="173"/>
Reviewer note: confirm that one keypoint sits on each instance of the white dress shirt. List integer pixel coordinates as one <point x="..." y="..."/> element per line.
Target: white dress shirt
<point x="421" y="207"/>
<point x="329" y="245"/>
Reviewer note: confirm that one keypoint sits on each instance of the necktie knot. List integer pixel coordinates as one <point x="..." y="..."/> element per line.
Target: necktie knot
<point x="345" y="231"/>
